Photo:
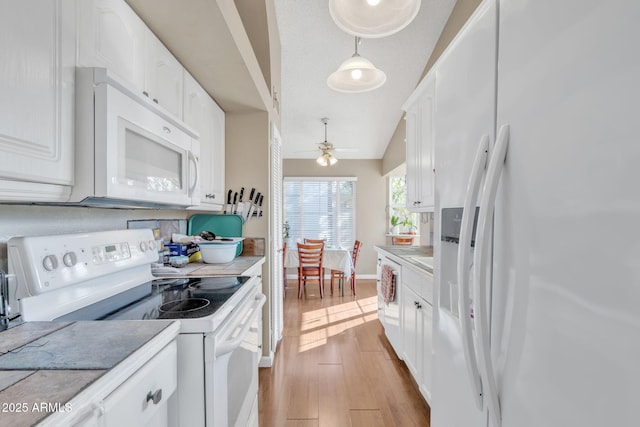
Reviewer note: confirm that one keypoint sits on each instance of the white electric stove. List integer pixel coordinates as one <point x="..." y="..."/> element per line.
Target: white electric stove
<point x="107" y="276"/>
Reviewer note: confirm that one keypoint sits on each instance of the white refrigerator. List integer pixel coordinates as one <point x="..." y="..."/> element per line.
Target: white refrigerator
<point x="537" y="148"/>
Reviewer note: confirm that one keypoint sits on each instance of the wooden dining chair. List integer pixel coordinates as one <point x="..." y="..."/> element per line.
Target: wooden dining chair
<point x="316" y="241"/>
<point x="310" y="258"/>
<point x="337" y="274"/>
<point x="401" y="241"/>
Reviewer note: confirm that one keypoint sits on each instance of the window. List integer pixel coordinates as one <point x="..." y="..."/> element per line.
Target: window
<point x="321" y="208"/>
<point x="400" y="219"/>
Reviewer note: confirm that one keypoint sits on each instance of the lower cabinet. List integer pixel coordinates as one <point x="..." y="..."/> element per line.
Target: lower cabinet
<point x="410" y="319"/>
<point x="145" y="395"/>
<point x="140" y="390"/>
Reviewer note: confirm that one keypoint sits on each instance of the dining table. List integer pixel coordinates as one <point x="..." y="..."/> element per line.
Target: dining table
<point x="334" y="258"/>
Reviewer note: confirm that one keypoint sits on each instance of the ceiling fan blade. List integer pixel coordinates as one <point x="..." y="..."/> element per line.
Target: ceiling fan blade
<point x="346" y="150"/>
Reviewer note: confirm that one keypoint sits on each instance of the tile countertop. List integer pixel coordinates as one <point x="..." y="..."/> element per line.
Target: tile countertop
<point x="417" y="256"/>
<point x="237" y="267"/>
<point x="46" y="362"/>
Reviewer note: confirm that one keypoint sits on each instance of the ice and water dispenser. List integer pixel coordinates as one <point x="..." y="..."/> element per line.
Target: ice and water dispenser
<point x="451" y="220"/>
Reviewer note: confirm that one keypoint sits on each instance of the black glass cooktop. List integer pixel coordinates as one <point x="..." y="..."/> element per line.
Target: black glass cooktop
<point x="171" y="298"/>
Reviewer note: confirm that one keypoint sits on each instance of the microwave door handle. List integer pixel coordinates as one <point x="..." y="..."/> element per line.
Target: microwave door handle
<point x="192" y="159"/>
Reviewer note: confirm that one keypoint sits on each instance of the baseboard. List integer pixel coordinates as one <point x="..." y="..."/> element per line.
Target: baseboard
<point x="266" y="361"/>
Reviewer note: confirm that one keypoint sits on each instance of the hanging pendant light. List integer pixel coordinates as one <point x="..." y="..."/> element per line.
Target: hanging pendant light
<point x="356" y="74"/>
<point x="373" y="18"/>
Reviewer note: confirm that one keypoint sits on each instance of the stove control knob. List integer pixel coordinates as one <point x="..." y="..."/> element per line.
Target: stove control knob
<point x="144" y="246"/>
<point x="70" y="259"/>
<point x="152" y="245"/>
<point x="50" y="262"/>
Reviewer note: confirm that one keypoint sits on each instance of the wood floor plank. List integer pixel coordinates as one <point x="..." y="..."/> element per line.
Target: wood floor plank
<point x="366" y="418"/>
<point x="333" y="397"/>
<point x="335" y="367"/>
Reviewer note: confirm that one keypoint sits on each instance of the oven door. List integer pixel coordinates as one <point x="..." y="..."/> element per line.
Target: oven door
<point x="231" y="365"/>
<point x="139" y="155"/>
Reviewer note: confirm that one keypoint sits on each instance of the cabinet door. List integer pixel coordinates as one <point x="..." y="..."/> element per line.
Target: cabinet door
<point x="413" y="156"/>
<point x="217" y="155"/>
<point x="37" y="41"/>
<point x="411" y="331"/>
<point x="144" y="396"/>
<point x="205" y="117"/>
<point x="419" y="150"/>
<point x="111" y="35"/>
<point x="163" y="76"/>
<point x="426" y="315"/>
<point x="425" y="148"/>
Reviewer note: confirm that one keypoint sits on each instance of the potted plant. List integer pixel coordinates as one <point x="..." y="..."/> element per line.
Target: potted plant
<point x="395" y="222"/>
<point x="407" y="222"/>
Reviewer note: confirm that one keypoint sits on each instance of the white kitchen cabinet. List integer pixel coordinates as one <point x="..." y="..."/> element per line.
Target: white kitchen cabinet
<point x="412" y="331"/>
<point x="140" y="390"/>
<point x="163" y="76"/>
<point x="408" y="322"/>
<point x="419" y="149"/>
<point x="111" y="35"/>
<point x="36" y="106"/>
<point x="205" y="117"/>
<point x="417" y="315"/>
<point x="144" y="396"/>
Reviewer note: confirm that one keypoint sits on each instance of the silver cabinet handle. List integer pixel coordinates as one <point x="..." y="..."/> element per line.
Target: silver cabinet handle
<point x="155" y="397"/>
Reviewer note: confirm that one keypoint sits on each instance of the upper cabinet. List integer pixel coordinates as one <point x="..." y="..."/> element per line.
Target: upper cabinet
<point x="419" y="156"/>
<point x="36" y="110"/>
<point x="163" y="77"/>
<point x="111" y="35"/>
<point x="205" y="117"/>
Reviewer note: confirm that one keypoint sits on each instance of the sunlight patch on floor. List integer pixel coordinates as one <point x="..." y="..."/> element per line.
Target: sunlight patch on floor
<point x="319" y="325"/>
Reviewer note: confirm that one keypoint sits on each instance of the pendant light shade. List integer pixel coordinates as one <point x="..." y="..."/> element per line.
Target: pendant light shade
<point x="356" y="74"/>
<point x="373" y="18"/>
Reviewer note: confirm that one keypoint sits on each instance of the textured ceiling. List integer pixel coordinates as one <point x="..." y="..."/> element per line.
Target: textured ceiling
<point x="313" y="47"/>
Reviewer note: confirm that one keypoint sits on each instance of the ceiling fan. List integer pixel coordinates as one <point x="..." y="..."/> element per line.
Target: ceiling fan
<point x="326" y="148"/>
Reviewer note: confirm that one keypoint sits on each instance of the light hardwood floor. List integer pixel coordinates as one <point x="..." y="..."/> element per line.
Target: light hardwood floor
<point x="334" y="366"/>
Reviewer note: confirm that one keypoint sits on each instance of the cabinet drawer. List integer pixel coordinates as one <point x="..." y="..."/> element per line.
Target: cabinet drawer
<point x="143" y="397"/>
<point x="420" y="282"/>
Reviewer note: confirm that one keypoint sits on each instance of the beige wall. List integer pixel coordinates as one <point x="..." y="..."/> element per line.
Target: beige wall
<point x="371" y="200"/>
<point x="459" y="16"/>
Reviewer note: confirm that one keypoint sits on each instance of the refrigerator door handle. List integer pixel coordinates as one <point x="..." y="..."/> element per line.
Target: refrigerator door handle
<point x="481" y="263"/>
<point x="464" y="255"/>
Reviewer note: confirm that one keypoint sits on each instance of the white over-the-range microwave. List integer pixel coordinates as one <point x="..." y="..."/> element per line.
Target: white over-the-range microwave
<point x="129" y="151"/>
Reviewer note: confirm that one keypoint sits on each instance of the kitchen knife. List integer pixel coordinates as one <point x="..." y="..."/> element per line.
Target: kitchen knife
<point x="260" y="206"/>
<point x="249" y="203"/>
<point x="235" y="202"/>
<point x="240" y="207"/>
<point x="253" y="206"/>
<point x="229" y="207"/>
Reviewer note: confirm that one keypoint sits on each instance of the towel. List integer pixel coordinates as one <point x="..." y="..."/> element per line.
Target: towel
<point x="388" y="285"/>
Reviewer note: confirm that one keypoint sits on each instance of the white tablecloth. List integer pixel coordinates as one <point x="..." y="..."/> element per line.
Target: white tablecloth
<point x="334" y="259"/>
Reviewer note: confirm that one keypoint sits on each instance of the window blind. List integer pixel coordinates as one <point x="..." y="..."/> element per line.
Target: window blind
<point x="321" y="208"/>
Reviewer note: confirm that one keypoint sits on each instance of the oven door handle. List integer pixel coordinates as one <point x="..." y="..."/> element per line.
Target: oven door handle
<point x="231" y="344"/>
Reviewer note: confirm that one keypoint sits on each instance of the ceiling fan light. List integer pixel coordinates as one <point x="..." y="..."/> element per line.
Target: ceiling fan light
<point x="326" y="159"/>
<point x="356" y="74"/>
<point x="373" y="18"/>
